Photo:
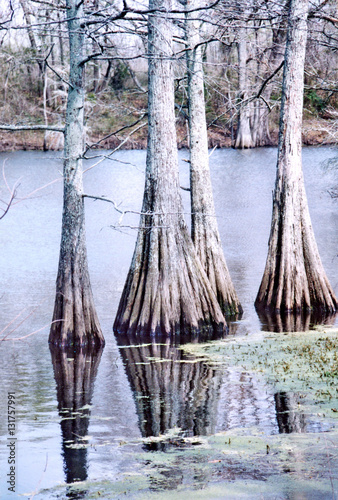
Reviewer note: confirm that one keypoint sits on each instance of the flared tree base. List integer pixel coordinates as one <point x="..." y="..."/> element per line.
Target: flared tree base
<point x="75" y="322"/>
<point x="167" y="291"/>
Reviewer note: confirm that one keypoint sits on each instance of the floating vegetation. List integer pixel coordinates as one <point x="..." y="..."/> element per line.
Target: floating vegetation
<point x="304" y="363"/>
<point x="298" y="459"/>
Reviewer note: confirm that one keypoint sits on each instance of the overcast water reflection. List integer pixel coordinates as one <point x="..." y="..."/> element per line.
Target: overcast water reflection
<point x="84" y="416"/>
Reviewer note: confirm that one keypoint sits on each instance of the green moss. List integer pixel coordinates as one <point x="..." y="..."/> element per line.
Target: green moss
<point x="227" y="465"/>
<point x="305" y="363"/>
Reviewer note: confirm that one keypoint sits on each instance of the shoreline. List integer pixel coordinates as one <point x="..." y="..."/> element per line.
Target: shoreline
<point x="316" y="132"/>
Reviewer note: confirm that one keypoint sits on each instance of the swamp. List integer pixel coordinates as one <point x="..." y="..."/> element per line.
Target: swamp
<point x="250" y="414"/>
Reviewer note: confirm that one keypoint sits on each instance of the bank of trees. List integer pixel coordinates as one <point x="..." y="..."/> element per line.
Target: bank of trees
<point x="242" y="45"/>
<point x="179" y="282"/>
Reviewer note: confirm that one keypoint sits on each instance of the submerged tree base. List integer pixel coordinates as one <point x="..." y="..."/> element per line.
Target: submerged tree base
<point x="167" y="291"/>
<point x="75" y="323"/>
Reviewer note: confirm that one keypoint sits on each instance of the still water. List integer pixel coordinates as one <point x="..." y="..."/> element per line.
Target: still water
<point x="82" y="418"/>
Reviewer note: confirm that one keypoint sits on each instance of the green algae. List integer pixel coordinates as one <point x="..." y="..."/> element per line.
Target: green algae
<point x="304" y="363"/>
<point x="242" y="463"/>
<point x="227" y="465"/>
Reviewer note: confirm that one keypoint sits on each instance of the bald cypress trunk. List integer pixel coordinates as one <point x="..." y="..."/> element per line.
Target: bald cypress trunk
<point x="204" y="225"/>
<point x="75" y="318"/>
<point x="167" y="290"/>
<point x="294" y="278"/>
<point x="243" y="135"/>
<point x="260" y="128"/>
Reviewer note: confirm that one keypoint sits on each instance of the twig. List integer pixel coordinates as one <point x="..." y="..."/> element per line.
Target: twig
<point x="118" y="131"/>
<point x="5" y="339"/>
<point x="58" y="75"/>
<point x="116" y="149"/>
<point x="36" y="190"/>
<point x="43" y="472"/>
<point x="12" y="193"/>
<point x="22" y="321"/>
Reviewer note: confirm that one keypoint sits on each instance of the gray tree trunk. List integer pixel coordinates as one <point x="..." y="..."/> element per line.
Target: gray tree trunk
<point x="167" y="290"/>
<point x="260" y="129"/>
<point x="75" y="318"/>
<point x="294" y="278"/>
<point x="243" y="135"/>
<point x="204" y="225"/>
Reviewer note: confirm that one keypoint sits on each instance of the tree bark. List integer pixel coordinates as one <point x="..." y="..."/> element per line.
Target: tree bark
<point x="75" y="318"/>
<point x="260" y="129"/>
<point x="167" y="290"/>
<point x="294" y="278"/>
<point x="243" y="135"/>
<point x="205" y="234"/>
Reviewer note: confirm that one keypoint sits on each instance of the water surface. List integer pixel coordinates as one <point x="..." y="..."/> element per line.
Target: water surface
<point x="88" y="416"/>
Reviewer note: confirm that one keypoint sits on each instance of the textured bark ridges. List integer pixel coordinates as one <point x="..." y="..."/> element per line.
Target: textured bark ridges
<point x="204" y="225"/>
<point x="294" y="277"/>
<point x="243" y="134"/>
<point x="166" y="290"/>
<point x="75" y="320"/>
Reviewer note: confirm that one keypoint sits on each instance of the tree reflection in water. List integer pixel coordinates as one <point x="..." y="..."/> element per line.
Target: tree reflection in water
<point x="173" y="390"/>
<point x="290" y="322"/>
<point x="289" y="420"/>
<point x="75" y="372"/>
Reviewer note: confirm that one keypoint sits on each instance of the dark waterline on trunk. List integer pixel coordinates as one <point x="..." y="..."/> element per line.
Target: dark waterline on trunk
<point x="133" y="394"/>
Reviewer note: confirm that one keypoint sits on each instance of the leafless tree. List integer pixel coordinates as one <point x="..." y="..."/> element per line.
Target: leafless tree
<point x="294" y="278"/>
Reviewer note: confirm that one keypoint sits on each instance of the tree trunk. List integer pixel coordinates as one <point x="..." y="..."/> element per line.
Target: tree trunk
<point x="166" y="290"/>
<point x="75" y="319"/>
<point x="204" y="226"/>
<point x="260" y="130"/>
<point x="294" y="278"/>
<point x="260" y="125"/>
<point x="34" y="45"/>
<point x="243" y="135"/>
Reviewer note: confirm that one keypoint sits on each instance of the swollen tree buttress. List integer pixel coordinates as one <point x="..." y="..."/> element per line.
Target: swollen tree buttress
<point x="294" y="278"/>
<point x="204" y="225"/>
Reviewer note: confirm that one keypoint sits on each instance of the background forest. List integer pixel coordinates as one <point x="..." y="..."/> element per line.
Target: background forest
<point x="243" y="47"/>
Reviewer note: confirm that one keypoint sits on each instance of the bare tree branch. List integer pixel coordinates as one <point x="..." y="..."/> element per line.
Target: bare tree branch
<point x="19" y="128"/>
<point x="12" y="193"/>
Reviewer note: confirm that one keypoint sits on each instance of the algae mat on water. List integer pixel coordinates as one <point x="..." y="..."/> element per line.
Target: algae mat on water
<point x="301" y="363"/>
<point x="246" y="463"/>
<point x="226" y="466"/>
